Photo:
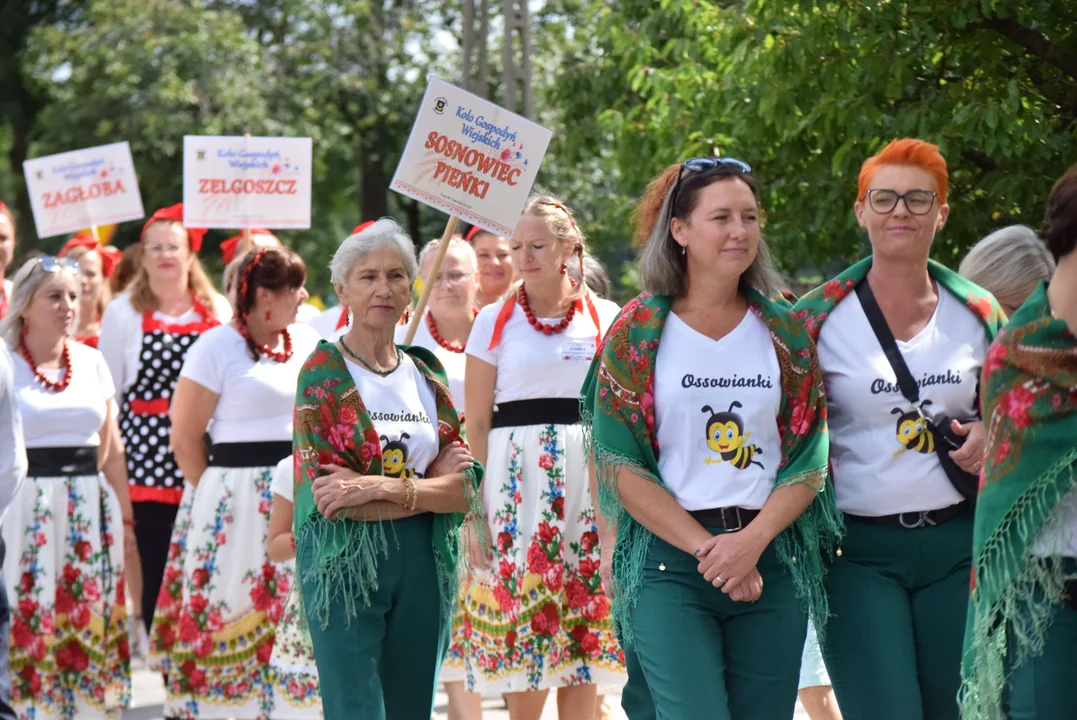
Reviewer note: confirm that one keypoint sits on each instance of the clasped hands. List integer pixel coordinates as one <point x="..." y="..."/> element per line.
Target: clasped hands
<point x="342" y="489"/>
<point x="728" y="561"/>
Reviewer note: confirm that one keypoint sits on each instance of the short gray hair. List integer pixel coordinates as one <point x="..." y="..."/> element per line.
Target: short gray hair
<point x="25" y="283"/>
<point x="456" y="243"/>
<point x="1009" y="263"/>
<point x="355" y="247"/>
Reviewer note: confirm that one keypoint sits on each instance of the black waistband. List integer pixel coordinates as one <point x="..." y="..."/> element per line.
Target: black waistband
<point x="914" y="518"/>
<point x="61" y="461"/>
<point x="727" y="518"/>
<point x="540" y="411"/>
<point x="249" y="454"/>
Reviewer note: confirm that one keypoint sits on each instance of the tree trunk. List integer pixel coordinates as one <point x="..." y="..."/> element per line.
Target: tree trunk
<point x="413" y="221"/>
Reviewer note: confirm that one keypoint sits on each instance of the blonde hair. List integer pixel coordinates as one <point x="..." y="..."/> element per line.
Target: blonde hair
<point x="142" y="297"/>
<point x="104" y="292"/>
<point x="1009" y="263"/>
<point x="561" y="222"/>
<point x="25" y="283"/>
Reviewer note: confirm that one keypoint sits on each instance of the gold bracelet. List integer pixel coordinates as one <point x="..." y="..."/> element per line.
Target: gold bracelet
<point x="411" y="494"/>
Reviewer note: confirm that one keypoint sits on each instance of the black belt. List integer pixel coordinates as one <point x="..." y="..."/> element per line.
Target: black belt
<point x="913" y="518"/>
<point x="540" y="411"/>
<point x="61" y="461"/>
<point x="249" y="454"/>
<point x="726" y="518"/>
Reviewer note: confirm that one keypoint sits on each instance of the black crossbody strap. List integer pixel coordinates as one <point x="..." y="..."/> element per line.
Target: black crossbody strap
<point x="905" y="381"/>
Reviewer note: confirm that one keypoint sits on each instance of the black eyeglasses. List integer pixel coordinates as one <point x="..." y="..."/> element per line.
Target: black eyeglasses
<point x="917" y="202"/>
<point x="705" y="164"/>
<point x="51" y="264"/>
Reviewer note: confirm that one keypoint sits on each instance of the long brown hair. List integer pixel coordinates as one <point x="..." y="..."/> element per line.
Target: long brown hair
<point x="143" y="299"/>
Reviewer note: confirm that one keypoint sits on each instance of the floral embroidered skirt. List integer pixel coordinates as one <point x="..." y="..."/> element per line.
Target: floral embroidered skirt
<point x="220" y="602"/>
<point x="293" y="656"/>
<point x="64" y="575"/>
<point x="454" y="667"/>
<point x="539" y="618"/>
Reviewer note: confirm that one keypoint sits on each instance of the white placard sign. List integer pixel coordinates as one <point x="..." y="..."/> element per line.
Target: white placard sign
<point x="236" y="182"/>
<point x="82" y="188"/>
<point x="470" y="158"/>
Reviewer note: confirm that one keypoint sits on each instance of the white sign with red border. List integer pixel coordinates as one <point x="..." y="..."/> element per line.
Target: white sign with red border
<point x="470" y="158"/>
<point x="75" y="190"/>
<point x="236" y="182"/>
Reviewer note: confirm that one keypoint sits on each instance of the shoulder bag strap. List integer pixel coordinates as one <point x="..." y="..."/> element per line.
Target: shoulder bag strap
<point x="905" y="381"/>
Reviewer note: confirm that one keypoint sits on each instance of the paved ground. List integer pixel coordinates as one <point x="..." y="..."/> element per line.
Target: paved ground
<point x="149" y="696"/>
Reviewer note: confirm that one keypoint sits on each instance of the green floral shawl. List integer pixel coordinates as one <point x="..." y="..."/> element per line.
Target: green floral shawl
<point x="1030" y="408"/>
<point x="333" y="426"/>
<point x="617" y="407"/>
<point x="814" y="308"/>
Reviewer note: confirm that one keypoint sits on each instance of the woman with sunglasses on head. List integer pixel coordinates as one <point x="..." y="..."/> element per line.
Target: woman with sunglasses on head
<point x="69" y="529"/>
<point x="539" y="616"/>
<point x="145" y="334"/>
<point x="220" y="603"/>
<point x="901" y="342"/>
<point x="96" y="264"/>
<point x="709" y="436"/>
<point x="495" y="266"/>
<point x="7" y="254"/>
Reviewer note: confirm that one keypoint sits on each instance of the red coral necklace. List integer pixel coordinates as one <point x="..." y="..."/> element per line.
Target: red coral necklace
<point x="538" y="324"/>
<point x="65" y="367"/>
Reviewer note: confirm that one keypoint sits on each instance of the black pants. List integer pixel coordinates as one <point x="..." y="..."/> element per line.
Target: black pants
<point x="6" y="713"/>
<point x="153" y="533"/>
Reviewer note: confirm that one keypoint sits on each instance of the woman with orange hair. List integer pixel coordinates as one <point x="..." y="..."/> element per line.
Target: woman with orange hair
<point x="902" y="342"/>
<point x="96" y="264"/>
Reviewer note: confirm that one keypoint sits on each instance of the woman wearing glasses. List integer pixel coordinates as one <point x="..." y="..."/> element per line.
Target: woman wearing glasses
<point x="709" y="435"/>
<point x="540" y="620"/>
<point x="67" y="529"/>
<point x="145" y="334"/>
<point x="905" y="444"/>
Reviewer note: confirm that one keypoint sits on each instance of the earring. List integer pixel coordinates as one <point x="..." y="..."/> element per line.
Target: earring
<point x="564" y="268"/>
<point x="25" y="328"/>
<point x="268" y="315"/>
<point x="684" y="250"/>
<point x="407" y="316"/>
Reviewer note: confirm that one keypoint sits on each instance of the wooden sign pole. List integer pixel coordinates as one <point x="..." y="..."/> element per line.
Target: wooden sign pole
<point x="428" y="287"/>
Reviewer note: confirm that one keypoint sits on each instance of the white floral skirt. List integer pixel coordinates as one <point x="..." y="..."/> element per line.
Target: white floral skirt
<point x="64" y="574"/>
<point x="220" y="603"/>
<point x="293" y="655"/>
<point x="539" y="617"/>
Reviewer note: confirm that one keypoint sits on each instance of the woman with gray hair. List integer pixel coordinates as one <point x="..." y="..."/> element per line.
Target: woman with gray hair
<point x="1009" y="263"/>
<point x="382" y="482"/>
<point x="729" y="521"/>
<point x="67" y="529"/>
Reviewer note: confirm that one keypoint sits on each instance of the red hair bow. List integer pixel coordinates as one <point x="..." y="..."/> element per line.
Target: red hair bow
<point x="109" y="256"/>
<point x="174" y="213"/>
<point x="362" y="226"/>
<point x="231" y="245"/>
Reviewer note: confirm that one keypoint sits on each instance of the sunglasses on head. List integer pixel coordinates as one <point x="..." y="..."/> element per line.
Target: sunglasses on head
<point x="702" y="165"/>
<point x="51" y="264"/>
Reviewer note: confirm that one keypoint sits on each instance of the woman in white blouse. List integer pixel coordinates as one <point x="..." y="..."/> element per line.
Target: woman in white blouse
<point x="65" y="530"/>
<point x="145" y="334"/>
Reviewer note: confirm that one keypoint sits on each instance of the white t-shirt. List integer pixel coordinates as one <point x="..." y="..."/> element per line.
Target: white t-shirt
<point x="404" y="412"/>
<point x="256" y="398"/>
<point x="71" y="418"/>
<point x="716" y="405"/>
<point x="876" y="473"/>
<point x="12" y="440"/>
<point x="121" y="336"/>
<point x="283" y="482"/>
<point x="533" y="365"/>
<point x="326" y="323"/>
<point x="453" y="362"/>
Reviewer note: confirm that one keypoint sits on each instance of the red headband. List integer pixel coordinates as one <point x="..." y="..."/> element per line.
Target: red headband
<point x="109" y="256"/>
<point x="475" y="230"/>
<point x="361" y="227"/>
<point x="175" y="214"/>
<point x="229" y="246"/>
<point x="241" y="291"/>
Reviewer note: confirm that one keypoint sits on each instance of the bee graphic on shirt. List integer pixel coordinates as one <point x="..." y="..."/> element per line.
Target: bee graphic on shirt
<point x="394" y="457"/>
<point x="726" y="436"/>
<point x="913" y="432"/>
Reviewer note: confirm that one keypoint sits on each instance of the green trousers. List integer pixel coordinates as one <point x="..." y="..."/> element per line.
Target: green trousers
<point x="636" y="698"/>
<point x="705" y="657"/>
<point x="898" y="599"/>
<point x="1044" y="687"/>
<point x="383" y="663"/>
